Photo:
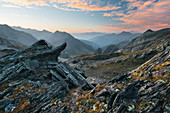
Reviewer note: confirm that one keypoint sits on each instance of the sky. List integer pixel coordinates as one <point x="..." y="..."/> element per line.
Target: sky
<point x="78" y="16"/>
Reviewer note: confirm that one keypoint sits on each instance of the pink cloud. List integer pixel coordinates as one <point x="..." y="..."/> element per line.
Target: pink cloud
<point x="114" y="13"/>
<point x="85" y="6"/>
<point x="28" y="2"/>
<point x="156" y="16"/>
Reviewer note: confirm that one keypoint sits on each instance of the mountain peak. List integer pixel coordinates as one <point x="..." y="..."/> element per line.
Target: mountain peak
<point x="62" y="33"/>
<point x="149" y="30"/>
<point x="45" y="31"/>
<point x="57" y="31"/>
<point x="4" y="26"/>
<point x="124" y="33"/>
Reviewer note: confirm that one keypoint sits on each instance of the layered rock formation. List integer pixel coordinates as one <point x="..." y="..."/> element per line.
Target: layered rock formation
<point x="30" y="79"/>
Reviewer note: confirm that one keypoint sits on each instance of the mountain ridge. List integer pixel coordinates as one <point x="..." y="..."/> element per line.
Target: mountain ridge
<point x="19" y="36"/>
<point x="113" y="38"/>
<point x="146" y="40"/>
<point x="75" y="47"/>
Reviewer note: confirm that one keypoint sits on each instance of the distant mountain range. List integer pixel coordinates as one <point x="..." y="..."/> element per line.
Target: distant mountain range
<point x="9" y="33"/>
<point x="16" y="38"/>
<point x="44" y="34"/>
<point x="74" y="46"/>
<point x="114" y="38"/>
<point x="88" y="35"/>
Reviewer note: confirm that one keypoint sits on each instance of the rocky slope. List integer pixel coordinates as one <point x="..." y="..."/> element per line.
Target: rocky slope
<point x="9" y="33"/>
<point x="143" y="90"/>
<point x="148" y="39"/>
<point x="107" y="66"/>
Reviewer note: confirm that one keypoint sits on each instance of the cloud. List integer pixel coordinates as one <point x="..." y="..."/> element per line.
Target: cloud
<point x="9" y="5"/>
<point x="114" y="13"/>
<point x="27" y="2"/>
<point x="149" y="14"/>
<point x="69" y="5"/>
<point x="65" y="9"/>
<point x="85" y="6"/>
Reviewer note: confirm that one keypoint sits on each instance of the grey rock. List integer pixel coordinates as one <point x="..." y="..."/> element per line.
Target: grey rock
<point x="104" y="93"/>
<point x="5" y="102"/>
<point x="135" y="55"/>
<point x="35" y="72"/>
<point x="9" y="108"/>
<point x="111" y="100"/>
<point x="143" y="56"/>
<point x="76" y="61"/>
<point x="118" y="61"/>
<point x="5" y="92"/>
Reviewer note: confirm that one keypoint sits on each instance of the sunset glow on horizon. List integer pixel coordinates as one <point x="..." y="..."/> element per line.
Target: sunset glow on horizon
<point x="78" y="16"/>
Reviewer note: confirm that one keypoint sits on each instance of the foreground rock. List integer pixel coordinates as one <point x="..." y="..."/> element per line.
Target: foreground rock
<point x="32" y="78"/>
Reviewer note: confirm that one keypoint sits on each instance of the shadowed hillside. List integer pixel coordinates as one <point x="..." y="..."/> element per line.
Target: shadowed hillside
<point x="8" y="33"/>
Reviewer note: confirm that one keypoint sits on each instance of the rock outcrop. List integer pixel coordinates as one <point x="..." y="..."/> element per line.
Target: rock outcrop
<point x="30" y="79"/>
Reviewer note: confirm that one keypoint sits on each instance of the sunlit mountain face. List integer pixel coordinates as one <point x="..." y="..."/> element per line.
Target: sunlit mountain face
<point x="78" y="16"/>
